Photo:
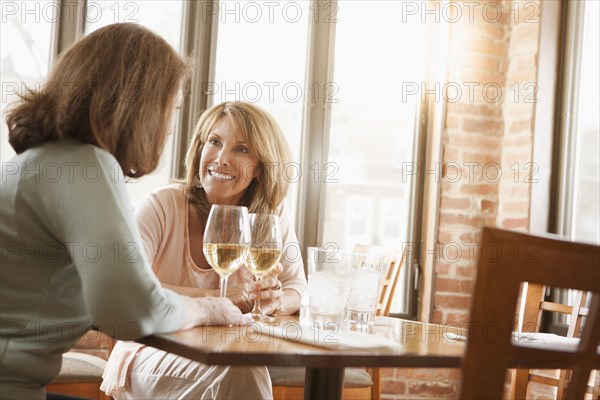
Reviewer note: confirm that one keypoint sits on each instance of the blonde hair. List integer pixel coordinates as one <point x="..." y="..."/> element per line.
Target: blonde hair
<point x="265" y="139"/>
<point x="114" y="88"/>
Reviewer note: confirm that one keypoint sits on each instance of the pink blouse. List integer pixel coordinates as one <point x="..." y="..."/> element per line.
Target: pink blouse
<point x="162" y="218"/>
<point x="163" y="221"/>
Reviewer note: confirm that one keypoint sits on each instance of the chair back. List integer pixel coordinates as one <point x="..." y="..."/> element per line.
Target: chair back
<point x="390" y="280"/>
<point x="533" y="305"/>
<point x="389" y="283"/>
<point x="506" y="260"/>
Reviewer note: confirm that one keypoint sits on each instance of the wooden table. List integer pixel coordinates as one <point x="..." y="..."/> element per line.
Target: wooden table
<point x="421" y="345"/>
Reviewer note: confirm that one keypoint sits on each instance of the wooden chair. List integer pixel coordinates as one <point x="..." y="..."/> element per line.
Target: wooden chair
<point x="506" y="260"/>
<point x="288" y="382"/>
<point x="534" y="306"/>
<point x="83" y="366"/>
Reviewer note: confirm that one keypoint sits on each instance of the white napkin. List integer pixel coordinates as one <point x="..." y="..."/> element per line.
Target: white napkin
<point x="331" y="339"/>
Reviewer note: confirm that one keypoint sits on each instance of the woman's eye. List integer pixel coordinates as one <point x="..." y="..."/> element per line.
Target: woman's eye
<point x="243" y="149"/>
<point x="213" y="141"/>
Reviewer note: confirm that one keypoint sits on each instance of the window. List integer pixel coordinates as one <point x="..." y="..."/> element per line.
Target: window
<point x="27" y="32"/>
<point x="372" y="127"/>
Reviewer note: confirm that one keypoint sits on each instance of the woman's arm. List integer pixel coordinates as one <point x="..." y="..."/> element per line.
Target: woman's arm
<point x="192" y="292"/>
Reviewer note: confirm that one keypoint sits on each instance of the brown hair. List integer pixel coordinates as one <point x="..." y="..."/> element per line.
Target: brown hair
<point x="114" y="88"/>
<point x="264" y="138"/>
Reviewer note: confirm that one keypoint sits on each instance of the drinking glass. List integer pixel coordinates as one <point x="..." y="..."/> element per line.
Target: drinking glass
<point x="329" y="282"/>
<point x="226" y="238"/>
<point x="263" y="253"/>
<point x="366" y="270"/>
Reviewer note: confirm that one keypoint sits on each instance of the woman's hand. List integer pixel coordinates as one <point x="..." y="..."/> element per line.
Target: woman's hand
<point x="211" y="311"/>
<point x="239" y="291"/>
<point x="270" y="292"/>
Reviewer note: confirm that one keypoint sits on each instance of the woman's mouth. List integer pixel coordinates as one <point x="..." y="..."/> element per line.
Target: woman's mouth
<point x="220" y="176"/>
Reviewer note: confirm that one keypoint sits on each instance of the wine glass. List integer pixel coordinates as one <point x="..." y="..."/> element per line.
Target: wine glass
<point x="226" y="236"/>
<point x="263" y="253"/>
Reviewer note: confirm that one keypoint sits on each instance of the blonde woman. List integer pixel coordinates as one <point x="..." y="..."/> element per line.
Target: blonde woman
<point x="69" y="258"/>
<point x="237" y="157"/>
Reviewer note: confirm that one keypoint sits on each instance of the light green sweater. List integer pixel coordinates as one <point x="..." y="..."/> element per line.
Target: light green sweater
<point x="71" y="256"/>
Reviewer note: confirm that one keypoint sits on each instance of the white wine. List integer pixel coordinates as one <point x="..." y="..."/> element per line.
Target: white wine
<point x="262" y="260"/>
<point x="224" y="258"/>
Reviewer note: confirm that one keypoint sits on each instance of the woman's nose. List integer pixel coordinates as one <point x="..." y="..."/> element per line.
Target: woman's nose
<point x="223" y="157"/>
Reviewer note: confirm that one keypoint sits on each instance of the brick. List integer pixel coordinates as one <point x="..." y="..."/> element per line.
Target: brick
<point x="438" y="317"/>
<point x="450" y="187"/>
<point x="484" y="31"/>
<point x="515" y="206"/>
<point x="432" y="388"/>
<point x="467" y="272"/>
<point x="453" y="285"/>
<point x="444" y="236"/>
<point x="457" y="318"/>
<point x="453" y="122"/>
<point x="388" y="372"/>
<point x="518" y="140"/>
<point x="452" y="301"/>
<point x="461" y="219"/>
<point x="521" y="125"/>
<point x="470" y="237"/>
<point x="476" y="140"/>
<point x="443" y="268"/>
<point x="483" y="110"/>
<point x="515" y="223"/>
<point x="522" y="62"/>
<point x="493" y="47"/>
<point x="450" y="203"/>
<point x="422" y="373"/>
<point x="451" y="153"/>
<point x="476" y="62"/>
<point x="525" y="34"/>
<point x="487" y="126"/>
<point x="524" y="110"/>
<point x="480" y="160"/>
<point x="481" y="188"/>
<point x="389" y="386"/>
<point x="488" y="206"/>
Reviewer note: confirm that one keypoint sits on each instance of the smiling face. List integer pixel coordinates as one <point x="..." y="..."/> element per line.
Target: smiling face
<point x="227" y="165"/>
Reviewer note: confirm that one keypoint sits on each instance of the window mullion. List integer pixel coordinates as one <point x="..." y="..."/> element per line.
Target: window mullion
<point x="69" y="26"/>
<point x="568" y="121"/>
<point x="315" y="127"/>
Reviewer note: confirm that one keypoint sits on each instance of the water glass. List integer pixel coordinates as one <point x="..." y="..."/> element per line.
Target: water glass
<point x="366" y="271"/>
<point x="329" y="282"/>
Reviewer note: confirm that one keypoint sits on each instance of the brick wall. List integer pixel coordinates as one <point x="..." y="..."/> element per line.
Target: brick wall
<point x="487" y="151"/>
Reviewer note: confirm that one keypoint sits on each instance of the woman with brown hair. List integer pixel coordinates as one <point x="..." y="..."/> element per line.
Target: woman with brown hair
<point x="238" y="156"/>
<point x="71" y="253"/>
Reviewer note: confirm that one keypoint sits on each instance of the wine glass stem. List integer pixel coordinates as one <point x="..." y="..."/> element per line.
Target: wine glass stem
<point x="224" y="286"/>
<point x="256" y="310"/>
